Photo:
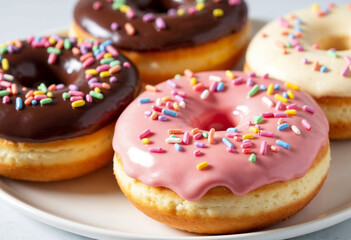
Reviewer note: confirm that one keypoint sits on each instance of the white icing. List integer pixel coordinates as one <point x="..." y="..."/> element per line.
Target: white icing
<point x="140" y="157"/>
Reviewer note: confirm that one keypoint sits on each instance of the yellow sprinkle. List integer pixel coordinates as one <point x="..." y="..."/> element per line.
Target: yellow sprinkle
<point x="105" y="74"/>
<point x="254" y="129"/>
<point x="248" y="136"/>
<point x="293" y="86"/>
<point x="315" y="6"/>
<point x="108" y="55"/>
<point x="3" y="45"/>
<point x="49" y="94"/>
<point x="180" y="12"/>
<point x="270" y="89"/>
<point x="5" y="64"/>
<point x="291" y="112"/>
<point x="229" y="74"/>
<point x="200" y="6"/>
<point x="80" y="40"/>
<point x="79" y="103"/>
<point x="12" y="42"/>
<point x="97" y="90"/>
<point x="166" y="99"/>
<point x="202" y="165"/>
<point x="38" y="92"/>
<point x="52" y="41"/>
<point x="176" y="106"/>
<point x="91" y="71"/>
<point x="280" y="98"/>
<point x="193" y="81"/>
<point x="124" y="8"/>
<point x="290" y="94"/>
<point x="218" y="12"/>
<point x="145" y="140"/>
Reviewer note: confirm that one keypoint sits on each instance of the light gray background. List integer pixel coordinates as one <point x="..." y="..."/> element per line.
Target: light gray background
<point x="20" y="18"/>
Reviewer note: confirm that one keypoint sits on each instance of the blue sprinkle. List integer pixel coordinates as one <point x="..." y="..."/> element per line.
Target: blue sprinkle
<point x="283" y="126"/>
<point x="283" y="144"/>
<point x="34" y="102"/>
<point x="285" y="95"/>
<point x="19" y="103"/>
<point x="177" y="147"/>
<point x="298" y="28"/>
<point x="220" y="87"/>
<point x="38" y="39"/>
<point x="162" y="118"/>
<point x="103" y="45"/>
<point x="0" y="58"/>
<point x="263" y="87"/>
<point x="298" y="21"/>
<point x="169" y="112"/>
<point x="172" y="83"/>
<point x="144" y="100"/>
<point x="326" y="10"/>
<point x="323" y="69"/>
<point x="227" y="142"/>
<point x="96" y="52"/>
<point x="277" y="87"/>
<point x="292" y="36"/>
<point x="232" y="130"/>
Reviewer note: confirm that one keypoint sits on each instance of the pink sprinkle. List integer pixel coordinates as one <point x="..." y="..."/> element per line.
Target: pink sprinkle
<point x="6" y="99"/>
<point x="76" y="93"/>
<point x="295" y="43"/>
<point x="231" y="135"/>
<point x="156" y="108"/>
<point x="246" y="141"/>
<point x="263" y="149"/>
<point x="292" y="106"/>
<point x="30" y="39"/>
<point x="52" y="58"/>
<point x="198" y="136"/>
<point x="265" y="76"/>
<point x="156" y="150"/>
<point x="126" y="64"/>
<point x="279" y="106"/>
<point x="192" y="10"/>
<point x="100" y="55"/>
<point x="248" y="123"/>
<point x="213" y="86"/>
<point x="95" y="85"/>
<point x="40" y="97"/>
<point x="274" y="148"/>
<point x="238" y="81"/>
<point x="345" y="71"/>
<point x="1" y="76"/>
<point x="306" y="124"/>
<point x="258" y="126"/>
<point x="266" y="134"/>
<point x="299" y="48"/>
<point x="186" y="138"/>
<point x="280" y="115"/>
<point x="249" y="82"/>
<point x="88" y="98"/>
<point x="347" y="60"/>
<point x="246" y="145"/>
<point x="160" y="23"/>
<point x="267" y="115"/>
<point x="315" y="46"/>
<point x="75" y="98"/>
<point x="182" y="94"/>
<point x="179" y="98"/>
<point x="144" y="133"/>
<point x="5" y="84"/>
<point x="309" y="109"/>
<point x="112" y="50"/>
<point x="97" y="5"/>
<point x="234" y="2"/>
<point x="304" y="61"/>
<point x="88" y="62"/>
<point x="114" y="26"/>
<point x="237" y="138"/>
<point x="147" y="113"/>
<point x="188" y="73"/>
<point x="252" y="74"/>
<point x="197" y="153"/>
<point x="230" y="150"/>
<point x="246" y="150"/>
<point x="88" y="76"/>
<point x="130" y="13"/>
<point x="169" y="105"/>
<point x="102" y="68"/>
<point x="284" y="23"/>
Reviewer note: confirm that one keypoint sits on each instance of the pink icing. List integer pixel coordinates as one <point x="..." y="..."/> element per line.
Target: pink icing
<point x="177" y="170"/>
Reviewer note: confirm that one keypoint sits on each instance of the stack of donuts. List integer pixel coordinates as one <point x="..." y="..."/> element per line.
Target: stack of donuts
<point x="203" y="148"/>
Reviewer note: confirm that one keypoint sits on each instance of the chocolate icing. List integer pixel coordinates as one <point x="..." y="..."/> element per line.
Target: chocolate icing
<point x="182" y="31"/>
<point x="59" y="120"/>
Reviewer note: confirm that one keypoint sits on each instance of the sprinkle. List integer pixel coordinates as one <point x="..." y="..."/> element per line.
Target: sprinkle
<point x="199" y="144"/>
<point x="78" y="103"/>
<point x="201" y="166"/>
<point x="282" y="144"/>
<point x="153" y="115"/>
<point x="280" y="98"/>
<point x="280" y="121"/>
<point x="215" y="78"/>
<point x="205" y="134"/>
<point x="315" y="66"/>
<point x="263" y="149"/>
<point x="229" y="74"/>
<point x="113" y="79"/>
<point x="347" y="60"/>
<point x="296" y="130"/>
<point x="188" y="73"/>
<point x="91" y="71"/>
<point x="227" y="143"/>
<point x="252" y="158"/>
<point x="246" y="144"/>
<point x="284" y="94"/>
<point x="249" y="82"/>
<point x="144" y="133"/>
<point x="274" y="148"/>
<point x="283" y="126"/>
<point x="8" y="77"/>
<point x="267" y="115"/>
<point x="306" y="124"/>
<point x="220" y="87"/>
<point x="308" y="109"/>
<point x="169" y="112"/>
<point x="172" y="83"/>
<point x="19" y="103"/>
<point x="332" y="53"/>
<point x="186" y="137"/>
<point x="96" y="95"/>
<point x="162" y="118"/>
<point x="293" y="86"/>
<point x="193" y="81"/>
<point x="248" y="136"/>
<point x="197" y="153"/>
<point x="175" y="131"/>
<point x="4" y="93"/>
<point x="280" y="115"/>
<point x="211" y="134"/>
<point x="257" y="119"/>
<point x="218" y="12"/>
<point x="177" y="147"/>
<point x="277" y="87"/>
<point x="45" y="101"/>
<point x="144" y="100"/>
<point x="5" y="64"/>
<point x="292" y="106"/>
<point x="205" y="94"/>
<point x="323" y="69"/>
<point x="345" y="71"/>
<point x="266" y="133"/>
<point x="238" y="81"/>
<point x="145" y="140"/>
<point x="6" y="99"/>
<point x="129" y="28"/>
<point x="160" y="24"/>
<point x="267" y="101"/>
<point x="232" y="129"/>
<point x="290" y="112"/>
<point x="198" y="136"/>
<point x="173" y="140"/>
<point x="229" y="149"/>
<point x="290" y="94"/>
<point x="156" y="150"/>
<point x="253" y="91"/>
<point x="194" y="131"/>
<point x="279" y="105"/>
<point x="213" y="86"/>
<point x="148" y="17"/>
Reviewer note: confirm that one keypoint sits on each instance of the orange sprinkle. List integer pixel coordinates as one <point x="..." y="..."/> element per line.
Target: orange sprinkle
<point x="18" y="43"/>
<point x="14" y="89"/>
<point x="105" y="85"/>
<point x="114" y="69"/>
<point x="166" y="99"/>
<point x="150" y="88"/>
<point x="285" y="33"/>
<point x="153" y="115"/>
<point x="198" y="87"/>
<point x="29" y="94"/>
<point x="316" y="66"/>
<point x="75" y="51"/>
<point x="264" y="35"/>
<point x="28" y="101"/>
<point x="9" y="90"/>
<point x="52" y="87"/>
<point x="129" y="28"/>
<point x="59" y="44"/>
<point x="175" y="131"/>
<point x="194" y="131"/>
<point x="86" y="56"/>
<point x="211" y="136"/>
<point x="176" y="106"/>
<point x="188" y="73"/>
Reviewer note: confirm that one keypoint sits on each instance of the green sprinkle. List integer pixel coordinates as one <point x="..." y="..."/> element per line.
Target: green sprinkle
<point x="333" y="53"/>
<point x="42" y="87"/>
<point x="177" y="76"/>
<point x="106" y="60"/>
<point x="200" y="1"/>
<point x="67" y="44"/>
<point x="253" y="91"/>
<point x="205" y="134"/>
<point x="3" y="50"/>
<point x="95" y="47"/>
<point x="4" y="93"/>
<point x="66" y="95"/>
<point x="173" y="136"/>
<point x="257" y="119"/>
<point x="96" y="95"/>
<point x="54" y="50"/>
<point x="45" y="101"/>
<point x="114" y="63"/>
<point x="252" y="158"/>
<point x="288" y="45"/>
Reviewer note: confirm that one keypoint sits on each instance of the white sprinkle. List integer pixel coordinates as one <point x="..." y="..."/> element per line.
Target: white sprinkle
<point x="173" y="140"/>
<point x="158" y="101"/>
<point x="267" y="101"/>
<point x="8" y="77"/>
<point x="296" y="130"/>
<point x="215" y="78"/>
<point x="205" y="94"/>
<point x="182" y="104"/>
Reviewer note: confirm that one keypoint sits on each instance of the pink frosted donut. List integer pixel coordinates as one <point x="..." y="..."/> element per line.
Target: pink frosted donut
<point x="220" y="152"/>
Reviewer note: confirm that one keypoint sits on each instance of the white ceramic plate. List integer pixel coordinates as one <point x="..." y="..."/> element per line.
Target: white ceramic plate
<point x="93" y="206"/>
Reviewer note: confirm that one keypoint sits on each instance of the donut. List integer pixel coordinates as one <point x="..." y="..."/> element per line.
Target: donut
<point x="310" y="48"/>
<point x="165" y="37"/>
<point x="229" y="154"/>
<point x="59" y="106"/>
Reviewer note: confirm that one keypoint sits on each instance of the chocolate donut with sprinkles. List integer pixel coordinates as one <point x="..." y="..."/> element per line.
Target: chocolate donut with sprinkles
<point x="59" y="105"/>
<point x="228" y="153"/>
<point x="164" y="37"/>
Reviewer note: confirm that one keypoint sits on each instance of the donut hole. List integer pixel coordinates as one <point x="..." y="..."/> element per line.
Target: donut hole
<point x="156" y="6"/>
<point x="219" y="120"/>
<point x="338" y="42"/>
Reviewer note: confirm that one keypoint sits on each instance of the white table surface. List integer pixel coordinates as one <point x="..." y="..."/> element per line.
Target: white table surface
<point x="20" y="18"/>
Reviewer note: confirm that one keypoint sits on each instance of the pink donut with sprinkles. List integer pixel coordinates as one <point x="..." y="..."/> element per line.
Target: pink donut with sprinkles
<point x="221" y="152"/>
